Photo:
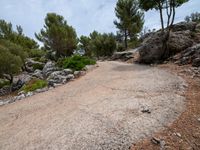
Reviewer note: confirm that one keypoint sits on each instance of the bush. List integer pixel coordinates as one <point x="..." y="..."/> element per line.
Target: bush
<point x="34" y="85"/>
<point x="37" y="53"/>
<point x="4" y="83"/>
<point x="75" y="62"/>
<point x="10" y="64"/>
<point x="38" y="66"/>
<point x="40" y="59"/>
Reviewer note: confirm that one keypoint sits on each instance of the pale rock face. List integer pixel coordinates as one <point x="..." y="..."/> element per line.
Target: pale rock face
<point x="38" y="74"/>
<point x="49" y="68"/>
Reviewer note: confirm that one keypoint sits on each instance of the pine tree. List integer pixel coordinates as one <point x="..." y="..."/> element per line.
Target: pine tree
<point x="130" y="19"/>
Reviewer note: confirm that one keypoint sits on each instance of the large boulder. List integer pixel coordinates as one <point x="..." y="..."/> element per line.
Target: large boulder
<point x="49" y="68"/>
<point x="152" y="51"/>
<point x="151" y="48"/>
<point x="183" y="26"/>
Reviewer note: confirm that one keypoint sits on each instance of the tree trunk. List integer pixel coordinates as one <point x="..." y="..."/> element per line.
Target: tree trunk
<point x="125" y="40"/>
<point x="161" y="17"/>
<point x="11" y="79"/>
<point x="174" y="13"/>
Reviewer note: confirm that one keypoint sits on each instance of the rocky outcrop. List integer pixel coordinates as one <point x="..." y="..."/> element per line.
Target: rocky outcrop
<point x="49" y="68"/>
<point x="151" y="50"/>
<point x="183" y="26"/>
<point x="60" y="77"/>
<point x="189" y="56"/>
<point x="179" y="41"/>
<point x="38" y="74"/>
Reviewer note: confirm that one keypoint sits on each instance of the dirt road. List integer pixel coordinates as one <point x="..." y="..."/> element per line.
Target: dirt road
<point x="102" y="110"/>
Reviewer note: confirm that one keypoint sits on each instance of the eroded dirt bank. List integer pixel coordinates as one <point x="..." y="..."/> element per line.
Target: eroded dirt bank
<point x="102" y="110"/>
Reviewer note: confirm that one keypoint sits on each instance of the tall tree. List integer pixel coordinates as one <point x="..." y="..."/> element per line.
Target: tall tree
<point x="130" y="19"/>
<point x="84" y="44"/>
<point x="17" y="37"/>
<point x="10" y="64"/>
<point x="169" y="6"/>
<point x="57" y="35"/>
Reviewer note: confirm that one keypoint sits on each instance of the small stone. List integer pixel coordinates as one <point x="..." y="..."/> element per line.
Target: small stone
<point x="29" y="94"/>
<point x="162" y="144"/>
<point x="1" y="103"/>
<point x="20" y="97"/>
<point x="67" y="71"/>
<point x="70" y="77"/>
<point x="178" y="134"/>
<point x="20" y="93"/>
<point x="155" y="140"/>
<point x="145" y="110"/>
<point x="77" y="74"/>
<point x="198" y="119"/>
<point x="41" y="90"/>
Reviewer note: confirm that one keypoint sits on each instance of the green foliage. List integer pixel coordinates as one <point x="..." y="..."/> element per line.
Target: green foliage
<point x="57" y="35"/>
<point x="102" y="44"/>
<point x="4" y="83"/>
<point x="75" y="62"/>
<point x="7" y="33"/>
<point x="98" y="45"/>
<point x="15" y="49"/>
<point x="167" y="6"/>
<point x="195" y="17"/>
<point x="40" y="59"/>
<point x="131" y="19"/>
<point x="85" y="44"/>
<point x="10" y="64"/>
<point x="36" y="53"/>
<point x="38" y="66"/>
<point x="34" y="85"/>
<point x="155" y="4"/>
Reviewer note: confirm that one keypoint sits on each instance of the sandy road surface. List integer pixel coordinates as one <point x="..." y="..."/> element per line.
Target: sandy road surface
<point x="101" y="110"/>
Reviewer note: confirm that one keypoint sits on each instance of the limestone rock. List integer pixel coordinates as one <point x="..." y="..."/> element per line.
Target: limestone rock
<point x="49" y="68"/>
<point x="38" y="74"/>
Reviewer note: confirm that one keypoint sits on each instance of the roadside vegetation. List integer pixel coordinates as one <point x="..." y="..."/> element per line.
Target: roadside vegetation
<point x="76" y="62"/>
<point x="34" y="85"/>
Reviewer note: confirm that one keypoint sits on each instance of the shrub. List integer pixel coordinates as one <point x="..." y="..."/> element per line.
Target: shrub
<point x="4" y="83"/>
<point x="38" y="66"/>
<point x="40" y="59"/>
<point x="37" y="53"/>
<point x="10" y="64"/>
<point x="75" y="62"/>
<point x="34" y="85"/>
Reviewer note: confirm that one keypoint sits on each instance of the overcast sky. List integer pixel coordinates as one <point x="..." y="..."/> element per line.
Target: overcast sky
<point x="84" y="15"/>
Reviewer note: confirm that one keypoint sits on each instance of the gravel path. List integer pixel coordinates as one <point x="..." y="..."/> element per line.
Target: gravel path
<point x="111" y="107"/>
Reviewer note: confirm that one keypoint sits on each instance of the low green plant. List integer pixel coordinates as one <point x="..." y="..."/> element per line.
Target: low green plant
<point x="4" y="83"/>
<point x="75" y="62"/>
<point x="34" y="85"/>
<point x="38" y="66"/>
